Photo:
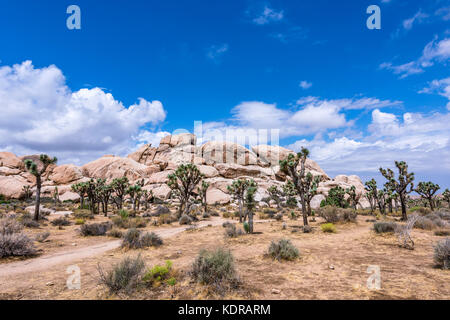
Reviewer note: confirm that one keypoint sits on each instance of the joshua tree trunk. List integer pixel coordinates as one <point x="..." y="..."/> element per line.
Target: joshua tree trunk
<point x="240" y="210"/>
<point x="403" y="204"/>
<point x="38" y="198"/>
<point x="304" y="210"/>
<point x="250" y="221"/>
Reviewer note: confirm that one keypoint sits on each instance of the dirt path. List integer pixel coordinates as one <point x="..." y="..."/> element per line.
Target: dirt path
<point x="45" y="261"/>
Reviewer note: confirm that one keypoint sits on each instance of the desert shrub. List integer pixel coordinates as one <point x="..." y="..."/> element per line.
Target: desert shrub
<point x="438" y="219"/>
<point x="420" y="210"/>
<point x="160" y="210"/>
<point x="443" y="213"/>
<point x="206" y="215"/>
<point x="166" y="219"/>
<point x="307" y="229"/>
<point x="425" y="224"/>
<point x="158" y="274"/>
<point x="114" y="233"/>
<point x="82" y="214"/>
<point x="283" y="250"/>
<point x="41" y="237"/>
<point x="215" y="268"/>
<point x="60" y="222"/>
<point x="270" y="212"/>
<point x="335" y="214"/>
<point x="328" y="227"/>
<point x="120" y="222"/>
<point x="137" y="222"/>
<point x="30" y="223"/>
<point x="232" y="232"/>
<point x="213" y="213"/>
<point x="383" y="227"/>
<point x="227" y="215"/>
<point x="126" y="276"/>
<point x="124" y="214"/>
<point x="185" y="219"/>
<point x="442" y="254"/>
<point x="226" y="224"/>
<point x="442" y="232"/>
<point x="347" y="215"/>
<point x="134" y="239"/>
<point x="279" y="217"/>
<point x="10" y="226"/>
<point x="80" y="222"/>
<point x="95" y="229"/>
<point x="151" y="239"/>
<point x="16" y="244"/>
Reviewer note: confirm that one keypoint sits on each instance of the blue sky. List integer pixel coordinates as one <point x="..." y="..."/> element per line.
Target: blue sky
<point x="358" y="98"/>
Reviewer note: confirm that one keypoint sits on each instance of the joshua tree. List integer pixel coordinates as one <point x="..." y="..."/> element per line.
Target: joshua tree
<point x="390" y="196"/>
<point x="336" y="197"/>
<point x="147" y="197"/>
<point x="183" y="183"/>
<point x="135" y="193"/>
<point x="353" y="196"/>
<point x="238" y="189"/>
<point x="289" y="167"/>
<point x="81" y="190"/>
<point x="92" y="192"/>
<point x="27" y="192"/>
<point x="120" y="186"/>
<point x="372" y="194"/>
<point x="427" y="190"/>
<point x="250" y="203"/>
<point x="55" y="196"/>
<point x="38" y="171"/>
<point x="401" y="185"/>
<point x="311" y="185"/>
<point x="381" y="201"/>
<point x="290" y="192"/>
<point x="446" y="196"/>
<point x="275" y="194"/>
<point x="202" y="192"/>
<point x="104" y="191"/>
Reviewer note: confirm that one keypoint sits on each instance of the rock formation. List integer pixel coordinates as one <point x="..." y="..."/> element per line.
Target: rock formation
<point x="220" y="162"/>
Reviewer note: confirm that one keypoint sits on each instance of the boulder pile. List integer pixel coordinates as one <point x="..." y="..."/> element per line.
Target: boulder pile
<point x="220" y="162"/>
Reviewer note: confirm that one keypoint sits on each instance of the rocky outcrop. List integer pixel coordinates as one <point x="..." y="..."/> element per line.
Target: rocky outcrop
<point x="110" y="167"/>
<point x="219" y="162"/>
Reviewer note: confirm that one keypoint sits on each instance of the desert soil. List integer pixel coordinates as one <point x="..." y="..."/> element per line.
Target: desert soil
<point x="331" y="266"/>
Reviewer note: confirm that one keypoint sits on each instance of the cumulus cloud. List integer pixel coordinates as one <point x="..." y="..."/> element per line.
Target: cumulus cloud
<point x="441" y="87"/>
<point x="434" y="51"/>
<point x="305" y="85"/>
<point x="41" y="114"/>
<point x="421" y="140"/>
<point x="256" y="122"/>
<point x="215" y="52"/>
<point x="268" y="15"/>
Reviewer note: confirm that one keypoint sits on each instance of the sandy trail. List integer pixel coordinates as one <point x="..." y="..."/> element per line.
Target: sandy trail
<point x="46" y="261"/>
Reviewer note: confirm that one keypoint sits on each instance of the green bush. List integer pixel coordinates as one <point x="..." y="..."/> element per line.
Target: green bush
<point x="283" y="250"/>
<point x="246" y="227"/>
<point x="383" y="227"/>
<point x="159" y="274"/>
<point x="126" y="276"/>
<point x="328" y="227"/>
<point x="215" y="268"/>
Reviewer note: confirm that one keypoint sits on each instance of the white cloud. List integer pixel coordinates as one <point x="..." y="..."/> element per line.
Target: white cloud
<point x="305" y="85"/>
<point x="215" y="52"/>
<point x="444" y="13"/>
<point x="417" y="18"/>
<point x="421" y="140"/>
<point x="441" y="87"/>
<point x="41" y="114"/>
<point x="268" y="15"/>
<point x="434" y="51"/>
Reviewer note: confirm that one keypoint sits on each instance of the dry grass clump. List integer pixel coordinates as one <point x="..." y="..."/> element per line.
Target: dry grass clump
<point x="216" y="269"/>
<point x="283" y="250"/>
<point x="134" y="239"/>
<point x="12" y="241"/>
<point x="334" y="214"/>
<point x="442" y="254"/>
<point x="95" y="229"/>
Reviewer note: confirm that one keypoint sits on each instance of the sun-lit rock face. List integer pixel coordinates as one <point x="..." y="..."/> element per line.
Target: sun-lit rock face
<point x="220" y="162"/>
